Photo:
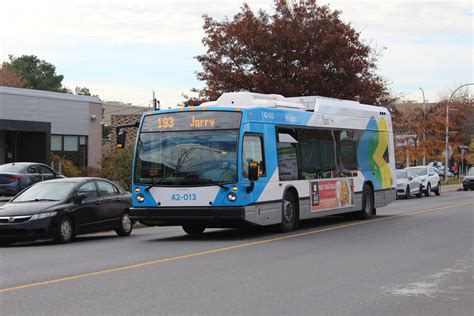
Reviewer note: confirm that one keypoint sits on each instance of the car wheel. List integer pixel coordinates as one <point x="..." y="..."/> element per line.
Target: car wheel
<point x="465" y="188"/>
<point x="66" y="232"/>
<point x="407" y="193"/>
<point x="368" y="209"/>
<point x="194" y="229"/>
<point x="428" y="190"/>
<point x="288" y="214"/>
<point x="126" y="226"/>
<point x="438" y="189"/>
<point x="420" y="192"/>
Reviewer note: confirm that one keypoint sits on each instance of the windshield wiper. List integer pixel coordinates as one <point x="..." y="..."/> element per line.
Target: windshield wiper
<point x="215" y="183"/>
<point x="176" y="173"/>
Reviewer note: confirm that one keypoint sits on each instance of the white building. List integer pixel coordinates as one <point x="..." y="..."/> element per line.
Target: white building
<point x="34" y="124"/>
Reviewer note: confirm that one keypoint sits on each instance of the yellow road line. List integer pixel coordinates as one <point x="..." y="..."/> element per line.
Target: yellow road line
<point x="206" y="252"/>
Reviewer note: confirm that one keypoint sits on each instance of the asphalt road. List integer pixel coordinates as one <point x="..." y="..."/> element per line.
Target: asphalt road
<point x="416" y="257"/>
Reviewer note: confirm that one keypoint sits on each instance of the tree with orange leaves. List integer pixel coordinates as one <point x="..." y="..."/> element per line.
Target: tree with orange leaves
<point x="301" y="49"/>
<point x="10" y="79"/>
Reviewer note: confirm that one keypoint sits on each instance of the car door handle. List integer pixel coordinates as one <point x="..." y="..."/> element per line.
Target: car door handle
<point x="98" y="202"/>
<point x="117" y="199"/>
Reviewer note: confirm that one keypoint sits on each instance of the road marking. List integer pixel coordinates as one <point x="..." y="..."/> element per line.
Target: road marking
<point x="222" y="249"/>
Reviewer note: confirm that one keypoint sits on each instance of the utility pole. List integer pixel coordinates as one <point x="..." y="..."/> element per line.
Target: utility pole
<point x="424" y="125"/>
<point x="446" y="156"/>
<point x="463" y="149"/>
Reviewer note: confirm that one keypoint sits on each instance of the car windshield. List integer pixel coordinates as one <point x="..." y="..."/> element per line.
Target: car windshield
<point x="420" y="171"/>
<point x="187" y="157"/>
<point x="46" y="191"/>
<point x="401" y="174"/>
<point x="11" y="167"/>
<point x="471" y="172"/>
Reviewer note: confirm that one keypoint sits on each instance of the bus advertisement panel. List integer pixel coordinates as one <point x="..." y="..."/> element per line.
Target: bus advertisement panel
<point x="331" y="194"/>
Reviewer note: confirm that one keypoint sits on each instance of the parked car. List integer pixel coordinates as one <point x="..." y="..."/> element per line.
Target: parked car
<point x="439" y="168"/>
<point x="429" y="179"/>
<point x="64" y="208"/>
<point x="16" y="176"/>
<point x="468" y="182"/>
<point x="408" y="184"/>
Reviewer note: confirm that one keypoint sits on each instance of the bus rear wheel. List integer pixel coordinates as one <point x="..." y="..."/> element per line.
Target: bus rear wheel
<point x="368" y="209"/>
<point x="288" y="214"/>
<point x="194" y="230"/>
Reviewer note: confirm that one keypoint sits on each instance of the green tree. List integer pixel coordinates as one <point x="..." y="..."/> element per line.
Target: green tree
<point x="82" y="91"/>
<point x="36" y="73"/>
<point x="301" y="49"/>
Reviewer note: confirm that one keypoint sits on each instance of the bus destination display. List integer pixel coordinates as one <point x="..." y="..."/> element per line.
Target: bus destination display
<point x="192" y="120"/>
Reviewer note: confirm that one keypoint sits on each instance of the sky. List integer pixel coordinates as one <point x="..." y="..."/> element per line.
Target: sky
<point x="122" y="50"/>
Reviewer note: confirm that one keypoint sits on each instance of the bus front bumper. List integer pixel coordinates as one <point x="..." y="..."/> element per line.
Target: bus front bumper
<point x="176" y="216"/>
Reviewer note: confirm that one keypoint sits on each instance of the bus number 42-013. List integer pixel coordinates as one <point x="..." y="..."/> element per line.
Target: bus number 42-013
<point x="184" y="197"/>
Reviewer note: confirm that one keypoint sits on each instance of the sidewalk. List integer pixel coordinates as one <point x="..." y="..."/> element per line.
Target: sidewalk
<point x="451" y="187"/>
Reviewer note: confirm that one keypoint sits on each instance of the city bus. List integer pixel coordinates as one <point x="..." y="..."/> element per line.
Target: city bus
<point x="255" y="159"/>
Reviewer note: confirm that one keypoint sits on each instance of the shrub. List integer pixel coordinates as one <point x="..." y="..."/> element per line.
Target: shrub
<point x="68" y="168"/>
<point x="117" y="166"/>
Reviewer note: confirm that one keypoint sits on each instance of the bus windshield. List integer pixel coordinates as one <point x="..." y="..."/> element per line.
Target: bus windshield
<point x="177" y="158"/>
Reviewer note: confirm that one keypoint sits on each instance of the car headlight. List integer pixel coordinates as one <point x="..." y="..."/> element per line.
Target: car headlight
<point x="231" y="196"/>
<point x="466" y="180"/>
<point x="43" y="215"/>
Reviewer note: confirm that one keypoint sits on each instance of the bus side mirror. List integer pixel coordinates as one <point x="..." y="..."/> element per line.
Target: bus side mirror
<point x="121" y="137"/>
<point x="254" y="171"/>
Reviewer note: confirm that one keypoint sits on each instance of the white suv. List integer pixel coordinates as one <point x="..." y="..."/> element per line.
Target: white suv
<point x="429" y="179"/>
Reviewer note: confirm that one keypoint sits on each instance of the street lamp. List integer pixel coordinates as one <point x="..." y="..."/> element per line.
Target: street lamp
<point x="447" y="130"/>
<point x="424" y="124"/>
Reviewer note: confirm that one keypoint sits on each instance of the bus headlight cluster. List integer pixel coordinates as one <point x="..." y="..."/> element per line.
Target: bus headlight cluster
<point x="140" y="198"/>
<point x="231" y="196"/>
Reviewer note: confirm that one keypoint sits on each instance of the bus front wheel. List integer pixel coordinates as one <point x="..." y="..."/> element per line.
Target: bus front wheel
<point x="194" y="229"/>
<point x="288" y="214"/>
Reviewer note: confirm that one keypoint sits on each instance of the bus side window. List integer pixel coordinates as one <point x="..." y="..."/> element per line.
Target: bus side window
<point x="253" y="151"/>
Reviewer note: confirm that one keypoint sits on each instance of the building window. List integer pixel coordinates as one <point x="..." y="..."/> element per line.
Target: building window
<point x="56" y="143"/>
<point x="71" y="147"/>
<point x="71" y="143"/>
<point x="82" y="140"/>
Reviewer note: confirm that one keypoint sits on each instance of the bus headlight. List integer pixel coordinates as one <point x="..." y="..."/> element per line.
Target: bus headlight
<point x="140" y="198"/>
<point x="231" y="196"/>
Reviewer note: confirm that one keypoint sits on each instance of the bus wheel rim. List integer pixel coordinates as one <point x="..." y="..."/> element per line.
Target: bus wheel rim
<point x="288" y="211"/>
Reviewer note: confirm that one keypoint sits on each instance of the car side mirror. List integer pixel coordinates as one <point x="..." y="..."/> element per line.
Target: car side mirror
<point x="410" y="178"/>
<point x="121" y="138"/>
<point x="79" y="198"/>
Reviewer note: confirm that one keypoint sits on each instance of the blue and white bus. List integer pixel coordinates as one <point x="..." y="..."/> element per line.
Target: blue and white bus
<point x="254" y="159"/>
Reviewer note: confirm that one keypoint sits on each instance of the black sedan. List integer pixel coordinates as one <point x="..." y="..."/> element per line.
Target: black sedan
<point x="64" y="208"/>
<point x="16" y="176"/>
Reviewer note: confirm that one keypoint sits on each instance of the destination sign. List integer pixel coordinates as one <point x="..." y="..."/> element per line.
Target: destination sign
<point x="191" y="120"/>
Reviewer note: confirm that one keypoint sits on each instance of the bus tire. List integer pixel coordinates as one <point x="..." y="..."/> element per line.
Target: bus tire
<point x="194" y="230"/>
<point x="288" y="214"/>
<point x="368" y="208"/>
